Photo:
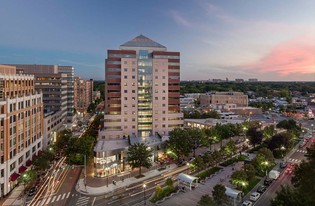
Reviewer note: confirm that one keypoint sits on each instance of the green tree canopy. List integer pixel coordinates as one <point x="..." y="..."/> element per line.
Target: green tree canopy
<point x="255" y="136"/>
<point x="219" y="195"/>
<point x="206" y="200"/>
<point x="239" y="177"/>
<point x="179" y="143"/>
<point x="138" y="155"/>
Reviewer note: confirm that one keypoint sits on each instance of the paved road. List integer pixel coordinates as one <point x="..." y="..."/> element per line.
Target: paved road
<point x="285" y="179"/>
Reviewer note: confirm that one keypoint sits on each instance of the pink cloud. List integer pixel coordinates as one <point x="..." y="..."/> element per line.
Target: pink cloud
<point x="293" y="57"/>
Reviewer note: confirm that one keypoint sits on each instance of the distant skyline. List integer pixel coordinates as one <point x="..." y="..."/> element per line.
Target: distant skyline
<point x="264" y="39"/>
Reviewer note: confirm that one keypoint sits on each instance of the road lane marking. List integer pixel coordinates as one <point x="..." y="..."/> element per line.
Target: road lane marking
<point x="63" y="196"/>
<point x="53" y="200"/>
<point x="48" y="200"/>
<point x="68" y="195"/>
<point x="93" y="201"/>
<point x="58" y="197"/>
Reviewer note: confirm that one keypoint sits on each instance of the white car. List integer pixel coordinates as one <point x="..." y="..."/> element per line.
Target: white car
<point x="247" y="203"/>
<point x="254" y="196"/>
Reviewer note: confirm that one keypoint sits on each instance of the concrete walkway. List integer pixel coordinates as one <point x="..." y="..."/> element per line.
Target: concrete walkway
<point x="111" y="188"/>
<point x="16" y="197"/>
<point x="191" y="197"/>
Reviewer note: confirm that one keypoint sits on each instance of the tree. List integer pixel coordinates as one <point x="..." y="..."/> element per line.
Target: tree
<point x="158" y="191"/>
<point x="230" y="148"/>
<point x="28" y="177"/>
<point x="255" y="136"/>
<point x="280" y="140"/>
<point x="206" y="200"/>
<point x="210" y="134"/>
<point x="239" y="177"/>
<point x="263" y="160"/>
<point x="77" y="148"/>
<point x="219" y="195"/>
<point x="169" y="182"/>
<point x="269" y="131"/>
<point x="217" y="157"/>
<point x="138" y="155"/>
<point x="250" y="171"/>
<point x="197" y="136"/>
<point x="289" y="197"/>
<point x="198" y="163"/>
<point x="179" y="143"/>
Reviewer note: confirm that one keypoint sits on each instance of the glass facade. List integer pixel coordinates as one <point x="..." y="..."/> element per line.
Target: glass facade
<point x="144" y="93"/>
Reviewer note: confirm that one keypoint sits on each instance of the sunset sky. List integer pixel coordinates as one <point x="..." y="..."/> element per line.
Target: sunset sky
<point x="264" y="39"/>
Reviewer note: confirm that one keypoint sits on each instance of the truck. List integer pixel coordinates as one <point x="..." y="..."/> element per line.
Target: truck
<point x="273" y="174"/>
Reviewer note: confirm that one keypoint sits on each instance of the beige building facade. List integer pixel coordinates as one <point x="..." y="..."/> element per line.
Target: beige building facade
<point x="83" y="94"/>
<point x="221" y="98"/>
<point x="21" y="125"/>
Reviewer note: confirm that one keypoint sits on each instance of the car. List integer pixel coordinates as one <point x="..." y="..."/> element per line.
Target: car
<point x="268" y="182"/>
<point x="247" y="203"/>
<point x="254" y="196"/>
<point x="283" y="165"/>
<point x="261" y="188"/>
<point x="32" y="191"/>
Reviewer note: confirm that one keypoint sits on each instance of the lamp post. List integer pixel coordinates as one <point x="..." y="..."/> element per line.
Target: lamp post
<point x="312" y="128"/>
<point x="266" y="165"/>
<point x="144" y="186"/>
<point x="282" y="150"/>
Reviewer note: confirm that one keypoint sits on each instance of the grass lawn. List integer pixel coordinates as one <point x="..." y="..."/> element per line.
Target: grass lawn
<point x="251" y="185"/>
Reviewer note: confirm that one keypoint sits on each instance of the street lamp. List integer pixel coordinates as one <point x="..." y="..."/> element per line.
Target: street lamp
<point x="144" y="186"/>
<point x="282" y="150"/>
<point x="312" y="128"/>
<point x="266" y="165"/>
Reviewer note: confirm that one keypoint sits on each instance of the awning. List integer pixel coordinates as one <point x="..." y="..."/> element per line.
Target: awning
<point x="13" y="177"/>
<point x="22" y="169"/>
<point x="232" y="193"/>
<point x="28" y="163"/>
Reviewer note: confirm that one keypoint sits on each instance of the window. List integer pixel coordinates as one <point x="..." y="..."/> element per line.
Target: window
<point x="133" y="119"/>
<point x="125" y="91"/>
<point x="163" y="84"/>
<point x="133" y="76"/>
<point x="133" y="127"/>
<point x="163" y="98"/>
<point x="125" y="76"/>
<point x="156" y="77"/>
<point x="163" y="77"/>
<point x="125" y="98"/>
<point x="156" y="70"/>
<point x="125" y="127"/>
<point x="125" y="120"/>
<point x="156" y="98"/>
<point x="125" y="113"/>
<point x="12" y="166"/>
<point x="125" y="62"/>
<point x="125" y="69"/>
<point x="125" y="84"/>
<point x="163" y="105"/>
<point x="133" y="70"/>
<point x="133" y="91"/>
<point x="133" y="62"/>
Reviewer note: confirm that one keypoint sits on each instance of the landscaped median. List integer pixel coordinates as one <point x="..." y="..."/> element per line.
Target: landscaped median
<point x="207" y="173"/>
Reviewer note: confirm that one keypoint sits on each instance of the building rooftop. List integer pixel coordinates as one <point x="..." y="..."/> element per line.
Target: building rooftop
<point x="142" y="41"/>
<point x="109" y="145"/>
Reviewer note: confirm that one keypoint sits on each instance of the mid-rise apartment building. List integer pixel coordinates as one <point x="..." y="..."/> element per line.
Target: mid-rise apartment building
<point x="57" y="85"/>
<point x="222" y="98"/>
<point x="83" y="94"/>
<point x="142" y="99"/>
<point x="21" y="125"/>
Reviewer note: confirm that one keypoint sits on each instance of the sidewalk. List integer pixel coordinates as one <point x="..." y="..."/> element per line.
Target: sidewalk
<point x="91" y="190"/>
<point x="16" y="197"/>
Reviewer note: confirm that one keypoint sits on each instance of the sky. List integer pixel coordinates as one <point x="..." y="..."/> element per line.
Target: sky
<point x="218" y="39"/>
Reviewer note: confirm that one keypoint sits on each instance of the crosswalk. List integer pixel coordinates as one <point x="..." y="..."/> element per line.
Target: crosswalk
<point x="301" y="151"/>
<point x="294" y="160"/>
<point x="81" y="201"/>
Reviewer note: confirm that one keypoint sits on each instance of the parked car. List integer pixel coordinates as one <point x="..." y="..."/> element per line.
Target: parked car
<point x="283" y="165"/>
<point x="261" y="189"/>
<point x="32" y="191"/>
<point x="268" y="182"/>
<point x="247" y="203"/>
<point x="254" y="196"/>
